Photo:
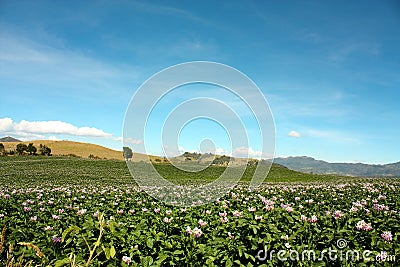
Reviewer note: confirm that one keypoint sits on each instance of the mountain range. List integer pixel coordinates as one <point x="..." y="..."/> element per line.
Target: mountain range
<point x="311" y="165"/>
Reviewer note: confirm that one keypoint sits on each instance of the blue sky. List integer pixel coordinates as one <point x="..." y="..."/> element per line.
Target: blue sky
<point x="330" y="70"/>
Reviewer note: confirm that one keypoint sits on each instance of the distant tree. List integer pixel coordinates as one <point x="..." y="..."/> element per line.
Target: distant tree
<point x="252" y="162"/>
<point x="222" y="160"/>
<point x="44" y="150"/>
<point x="31" y="149"/>
<point x="21" y="148"/>
<point x="127" y="152"/>
<point x="2" y="150"/>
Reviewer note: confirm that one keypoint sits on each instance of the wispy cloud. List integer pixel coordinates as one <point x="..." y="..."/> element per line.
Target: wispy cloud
<point x="41" y="62"/>
<point x="333" y="135"/>
<point x="343" y="52"/>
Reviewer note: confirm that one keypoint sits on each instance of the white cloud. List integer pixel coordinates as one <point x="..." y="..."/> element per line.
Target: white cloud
<point x="294" y="134"/>
<point x="53" y="138"/>
<point x="6" y="124"/>
<point x="244" y="152"/>
<point x="220" y="151"/>
<point x="40" y="128"/>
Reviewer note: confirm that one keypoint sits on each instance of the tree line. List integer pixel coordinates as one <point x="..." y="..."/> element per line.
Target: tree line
<point x="29" y="149"/>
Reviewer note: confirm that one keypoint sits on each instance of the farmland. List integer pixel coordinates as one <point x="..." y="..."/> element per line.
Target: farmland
<point x="81" y="212"/>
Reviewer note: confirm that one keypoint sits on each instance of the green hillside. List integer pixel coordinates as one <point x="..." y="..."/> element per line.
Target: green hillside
<point x="24" y="169"/>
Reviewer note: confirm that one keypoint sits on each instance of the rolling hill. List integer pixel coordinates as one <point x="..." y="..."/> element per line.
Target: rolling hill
<point x="65" y="148"/>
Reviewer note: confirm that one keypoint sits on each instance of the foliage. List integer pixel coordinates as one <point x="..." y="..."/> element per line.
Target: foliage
<point x="79" y="212"/>
<point x="21" y="148"/>
<point x="222" y="160"/>
<point x="91" y="156"/>
<point x="31" y="149"/>
<point x="44" y="150"/>
<point x="190" y="155"/>
<point x="127" y="152"/>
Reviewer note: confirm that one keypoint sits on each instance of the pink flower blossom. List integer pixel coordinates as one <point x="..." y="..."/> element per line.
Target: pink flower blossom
<point x="168" y="220"/>
<point x="327" y="213"/>
<point x="188" y="230"/>
<point x="197" y="232"/>
<point x="202" y="223"/>
<point x="223" y="219"/>
<point x="362" y="225"/>
<point x="237" y="213"/>
<point x="337" y="214"/>
<point x="230" y="236"/>
<point x="269" y="207"/>
<point x="353" y="209"/>
<point x="81" y="212"/>
<point x="387" y="236"/>
<point x="223" y="214"/>
<point x="380" y="207"/>
<point x="289" y="209"/>
<point x="56" y="239"/>
<point x="313" y="219"/>
<point x="126" y="259"/>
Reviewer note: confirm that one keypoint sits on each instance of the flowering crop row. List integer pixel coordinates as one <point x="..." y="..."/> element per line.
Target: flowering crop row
<point x="139" y="230"/>
<point x="56" y="221"/>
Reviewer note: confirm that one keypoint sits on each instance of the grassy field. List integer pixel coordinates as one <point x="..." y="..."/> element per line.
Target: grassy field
<point x="25" y="169"/>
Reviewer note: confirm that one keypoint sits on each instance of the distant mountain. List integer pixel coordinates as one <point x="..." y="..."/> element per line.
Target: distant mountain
<point x="9" y="139"/>
<point x="311" y="165"/>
